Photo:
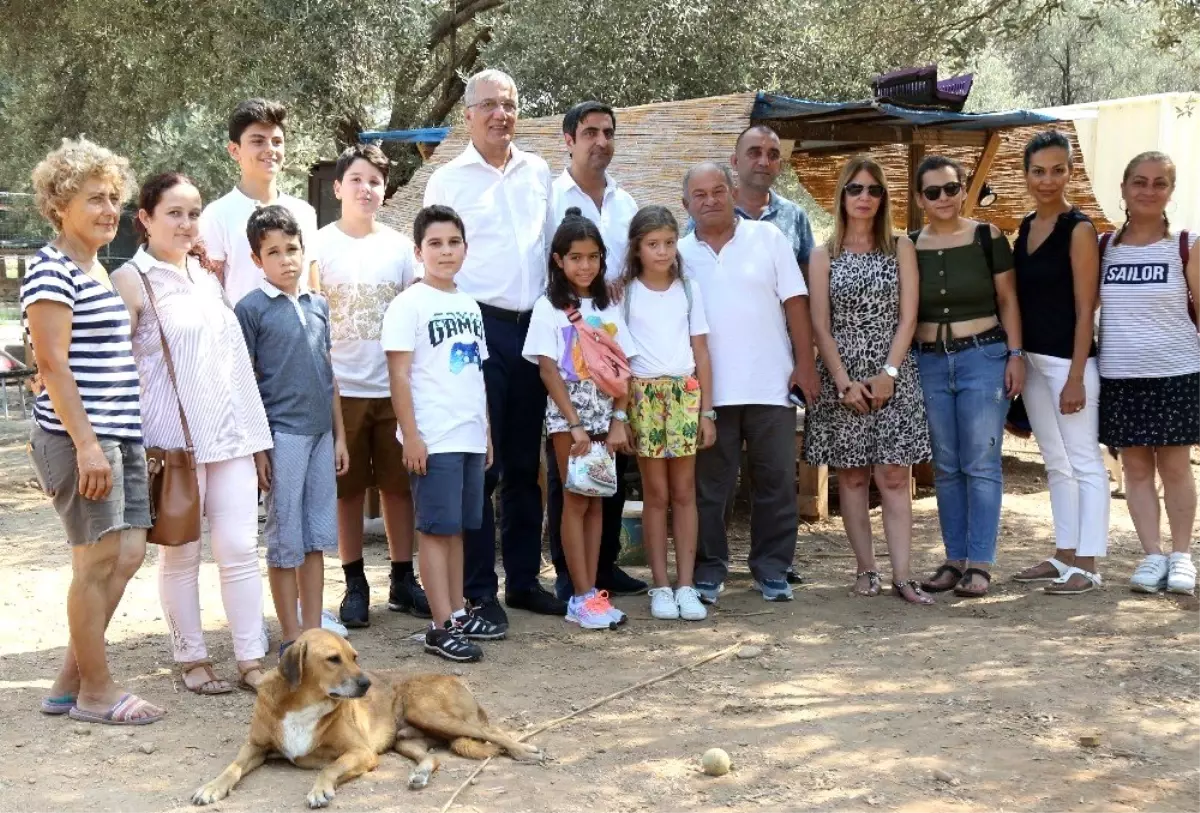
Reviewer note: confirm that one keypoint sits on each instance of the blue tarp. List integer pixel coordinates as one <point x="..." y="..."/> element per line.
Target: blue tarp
<point x="769" y="106"/>
<point x="424" y="135"/>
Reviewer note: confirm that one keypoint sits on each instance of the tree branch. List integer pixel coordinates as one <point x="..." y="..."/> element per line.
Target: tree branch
<point x="482" y="36"/>
<point x="450" y="22"/>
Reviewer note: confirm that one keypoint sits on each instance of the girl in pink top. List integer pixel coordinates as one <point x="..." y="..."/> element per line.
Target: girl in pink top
<point x="224" y="412"/>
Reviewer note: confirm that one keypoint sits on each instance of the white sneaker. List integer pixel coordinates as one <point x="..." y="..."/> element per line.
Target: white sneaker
<point x="690" y="606"/>
<point x="329" y="622"/>
<point x="1181" y="575"/>
<point x="1151" y="575"/>
<point x="662" y="604"/>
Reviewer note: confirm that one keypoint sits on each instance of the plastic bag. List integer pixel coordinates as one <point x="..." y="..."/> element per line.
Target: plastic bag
<point x="593" y="474"/>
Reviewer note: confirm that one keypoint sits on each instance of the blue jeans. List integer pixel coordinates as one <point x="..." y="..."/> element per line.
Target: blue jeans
<point x="966" y="405"/>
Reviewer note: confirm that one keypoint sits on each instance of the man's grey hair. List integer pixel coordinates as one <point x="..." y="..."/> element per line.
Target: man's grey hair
<point x="704" y="166"/>
<point x="492" y="75"/>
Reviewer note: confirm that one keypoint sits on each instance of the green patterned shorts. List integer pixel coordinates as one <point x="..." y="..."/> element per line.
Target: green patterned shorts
<point x="665" y="416"/>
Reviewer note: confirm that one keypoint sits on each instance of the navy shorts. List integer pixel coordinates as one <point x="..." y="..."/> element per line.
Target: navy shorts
<point x="448" y="498"/>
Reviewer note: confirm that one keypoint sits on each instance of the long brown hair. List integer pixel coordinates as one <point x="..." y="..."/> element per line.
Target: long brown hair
<point x="884" y="237"/>
<point x="1156" y="157"/>
<point x="648" y="219"/>
<point x="148" y="199"/>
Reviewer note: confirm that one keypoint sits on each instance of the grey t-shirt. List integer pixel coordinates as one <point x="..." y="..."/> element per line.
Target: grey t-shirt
<point x="289" y="340"/>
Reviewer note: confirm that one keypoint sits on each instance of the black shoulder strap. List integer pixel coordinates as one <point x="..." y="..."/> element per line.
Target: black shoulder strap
<point x="913" y="235"/>
<point x="983" y="233"/>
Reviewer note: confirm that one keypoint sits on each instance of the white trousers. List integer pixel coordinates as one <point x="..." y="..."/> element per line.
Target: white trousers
<point x="1070" y="446"/>
<point x="229" y="498"/>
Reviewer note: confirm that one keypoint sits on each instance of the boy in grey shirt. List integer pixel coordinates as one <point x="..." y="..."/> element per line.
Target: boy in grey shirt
<point x="287" y="333"/>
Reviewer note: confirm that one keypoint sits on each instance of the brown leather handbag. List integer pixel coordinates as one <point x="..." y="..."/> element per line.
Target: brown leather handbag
<point x="174" y="489"/>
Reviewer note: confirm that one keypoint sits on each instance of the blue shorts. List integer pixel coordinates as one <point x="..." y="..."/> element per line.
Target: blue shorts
<point x="302" y="502"/>
<point x="448" y="498"/>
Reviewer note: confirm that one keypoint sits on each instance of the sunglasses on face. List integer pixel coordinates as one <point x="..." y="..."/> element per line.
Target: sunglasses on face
<point x="934" y="192"/>
<point x="875" y="190"/>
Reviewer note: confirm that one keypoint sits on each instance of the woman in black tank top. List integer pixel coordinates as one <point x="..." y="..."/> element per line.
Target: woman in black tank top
<point x="1058" y="266"/>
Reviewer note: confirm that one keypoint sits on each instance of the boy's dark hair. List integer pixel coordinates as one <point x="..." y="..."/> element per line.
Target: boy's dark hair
<point x="581" y="111"/>
<point x="371" y="153"/>
<point x="575" y="227"/>
<point x="1044" y="141"/>
<point x="932" y="162"/>
<point x="271" y="218"/>
<point x="255" y="111"/>
<point x="435" y="214"/>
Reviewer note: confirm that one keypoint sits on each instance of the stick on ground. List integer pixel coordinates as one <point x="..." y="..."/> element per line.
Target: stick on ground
<point x="594" y="704"/>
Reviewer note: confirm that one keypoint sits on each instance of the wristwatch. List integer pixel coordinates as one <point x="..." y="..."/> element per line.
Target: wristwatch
<point x="1017" y="353"/>
<point x="619" y="415"/>
<point x="890" y="370"/>
<point x="710" y="414"/>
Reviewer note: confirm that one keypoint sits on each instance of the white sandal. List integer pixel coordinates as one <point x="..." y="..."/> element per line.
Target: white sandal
<point x="1059" y="566"/>
<point x="1059" y="587"/>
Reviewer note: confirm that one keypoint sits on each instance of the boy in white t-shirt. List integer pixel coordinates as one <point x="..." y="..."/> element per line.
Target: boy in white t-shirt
<point x="433" y="335"/>
<point x="362" y="265"/>
<point x="256" y="143"/>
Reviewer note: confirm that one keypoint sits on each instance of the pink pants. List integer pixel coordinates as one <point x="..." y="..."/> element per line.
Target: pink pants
<point x="229" y="496"/>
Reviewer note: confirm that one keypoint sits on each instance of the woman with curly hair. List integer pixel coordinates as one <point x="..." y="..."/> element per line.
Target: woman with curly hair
<point x="86" y="441"/>
<point x="172" y="298"/>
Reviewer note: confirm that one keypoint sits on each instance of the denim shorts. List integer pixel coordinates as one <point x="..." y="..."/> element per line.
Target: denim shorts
<point x="86" y="521"/>
<point x="302" y="502"/>
<point x="448" y="498"/>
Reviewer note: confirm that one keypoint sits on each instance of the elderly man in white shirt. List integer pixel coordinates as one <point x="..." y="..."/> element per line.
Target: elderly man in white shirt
<point x="589" y="131"/>
<point x="504" y="198"/>
<point x="760" y="339"/>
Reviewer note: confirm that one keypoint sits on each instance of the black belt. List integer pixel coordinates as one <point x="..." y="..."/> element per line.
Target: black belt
<point x="492" y="312"/>
<point x="990" y="336"/>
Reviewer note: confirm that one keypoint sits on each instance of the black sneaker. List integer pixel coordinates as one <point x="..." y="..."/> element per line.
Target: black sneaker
<point x="353" y="611"/>
<point x="444" y="642"/>
<point x="536" y="599"/>
<point x="478" y="628"/>
<point x="793" y="577"/>
<point x="620" y="583"/>
<point x="408" y="596"/>
<point x="488" y="608"/>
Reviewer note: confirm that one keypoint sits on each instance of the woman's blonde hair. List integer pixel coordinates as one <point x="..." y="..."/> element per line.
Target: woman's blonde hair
<point x="61" y="174"/>
<point x="884" y="237"/>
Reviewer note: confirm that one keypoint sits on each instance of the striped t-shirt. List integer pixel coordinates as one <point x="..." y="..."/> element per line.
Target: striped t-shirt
<point x="101" y="352"/>
<point x="1145" y="329"/>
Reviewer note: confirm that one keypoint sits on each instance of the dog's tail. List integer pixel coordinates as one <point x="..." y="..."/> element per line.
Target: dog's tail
<point x="473" y="749"/>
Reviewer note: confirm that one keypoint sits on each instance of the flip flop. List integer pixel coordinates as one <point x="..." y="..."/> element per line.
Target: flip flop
<point x="121" y="713"/>
<point x="967" y="592"/>
<point x="56" y="706"/>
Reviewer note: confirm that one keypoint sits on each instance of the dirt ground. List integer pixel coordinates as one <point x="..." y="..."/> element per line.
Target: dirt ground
<point x="852" y="704"/>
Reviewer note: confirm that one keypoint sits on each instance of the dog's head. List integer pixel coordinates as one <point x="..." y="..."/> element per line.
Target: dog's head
<point x="325" y="663"/>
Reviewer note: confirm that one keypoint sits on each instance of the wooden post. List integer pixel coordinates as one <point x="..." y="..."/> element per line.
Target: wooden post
<point x="916" y="154"/>
<point x="371" y="508"/>
<point x="812" y="486"/>
<point x="981" y="172"/>
<point x="923" y="474"/>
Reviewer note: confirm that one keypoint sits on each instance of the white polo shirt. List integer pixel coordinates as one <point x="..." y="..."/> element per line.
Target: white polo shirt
<point x="223" y="230"/>
<point x="617" y="209"/>
<point x="506" y="214"/>
<point x="744" y="289"/>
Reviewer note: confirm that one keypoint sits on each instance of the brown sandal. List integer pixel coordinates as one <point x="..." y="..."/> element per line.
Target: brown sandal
<point x="246" y="671"/>
<point x="931" y="585"/>
<point x="963" y="587"/>
<point x="211" y="684"/>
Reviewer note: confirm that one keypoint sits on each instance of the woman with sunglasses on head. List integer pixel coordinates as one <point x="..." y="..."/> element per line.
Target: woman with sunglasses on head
<point x="1150" y="369"/>
<point x="869" y="417"/>
<point x="971" y="363"/>
<point x="1058" y="269"/>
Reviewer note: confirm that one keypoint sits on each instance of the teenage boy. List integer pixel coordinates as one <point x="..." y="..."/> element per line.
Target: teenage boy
<point x="361" y="266"/>
<point x="256" y="144"/>
<point x="287" y="333"/>
<point x="433" y="335"/>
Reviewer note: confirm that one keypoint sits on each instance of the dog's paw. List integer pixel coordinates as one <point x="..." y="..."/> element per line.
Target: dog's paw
<point x="529" y="753"/>
<point x="214" y="791"/>
<point x="321" y="795"/>
<point x="419" y="778"/>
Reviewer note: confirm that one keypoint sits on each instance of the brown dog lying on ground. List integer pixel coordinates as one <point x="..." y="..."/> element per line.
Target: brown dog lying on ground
<point x="320" y="710"/>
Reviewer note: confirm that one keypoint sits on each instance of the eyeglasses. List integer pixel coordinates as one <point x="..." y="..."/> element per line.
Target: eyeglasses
<point x="488" y="106"/>
<point x="934" y="192"/>
<point x="875" y="190"/>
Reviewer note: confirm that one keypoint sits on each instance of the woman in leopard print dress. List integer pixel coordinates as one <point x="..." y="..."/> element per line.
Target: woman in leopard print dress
<point x="871" y="415"/>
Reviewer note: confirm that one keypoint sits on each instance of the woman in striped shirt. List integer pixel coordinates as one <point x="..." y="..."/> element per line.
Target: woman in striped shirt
<point x="219" y="397"/>
<point x="86" y="441"/>
<point x="1150" y="369"/>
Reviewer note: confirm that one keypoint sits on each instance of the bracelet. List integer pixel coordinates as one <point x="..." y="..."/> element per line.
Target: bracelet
<point x="1016" y="353"/>
<point x="619" y="415"/>
<point x="573" y="426"/>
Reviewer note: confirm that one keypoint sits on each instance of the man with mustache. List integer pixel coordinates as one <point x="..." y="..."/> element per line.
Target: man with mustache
<point x="589" y="130"/>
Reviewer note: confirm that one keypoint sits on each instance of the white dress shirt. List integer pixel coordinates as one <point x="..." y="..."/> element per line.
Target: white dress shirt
<point x="744" y="288"/>
<point x="506" y="214"/>
<point x="618" y="208"/>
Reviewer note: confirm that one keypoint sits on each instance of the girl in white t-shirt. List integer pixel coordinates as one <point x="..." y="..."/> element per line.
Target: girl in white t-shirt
<point x="671" y="408"/>
<point x="578" y="412"/>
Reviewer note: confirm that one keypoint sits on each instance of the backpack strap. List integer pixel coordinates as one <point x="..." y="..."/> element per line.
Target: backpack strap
<point x="913" y="235"/>
<point x="1105" y="239"/>
<point x="687" y="291"/>
<point x="983" y="233"/>
<point x="1185" y="247"/>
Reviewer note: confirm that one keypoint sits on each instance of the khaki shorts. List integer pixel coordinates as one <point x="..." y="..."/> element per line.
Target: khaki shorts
<point x="376" y="457"/>
<point x="86" y="521"/>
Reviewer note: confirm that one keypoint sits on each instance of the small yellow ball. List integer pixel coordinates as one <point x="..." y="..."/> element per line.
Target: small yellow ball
<point x="715" y="762"/>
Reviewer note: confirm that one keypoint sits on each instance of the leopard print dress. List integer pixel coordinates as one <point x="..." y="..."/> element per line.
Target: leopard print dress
<point x="864" y="298"/>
